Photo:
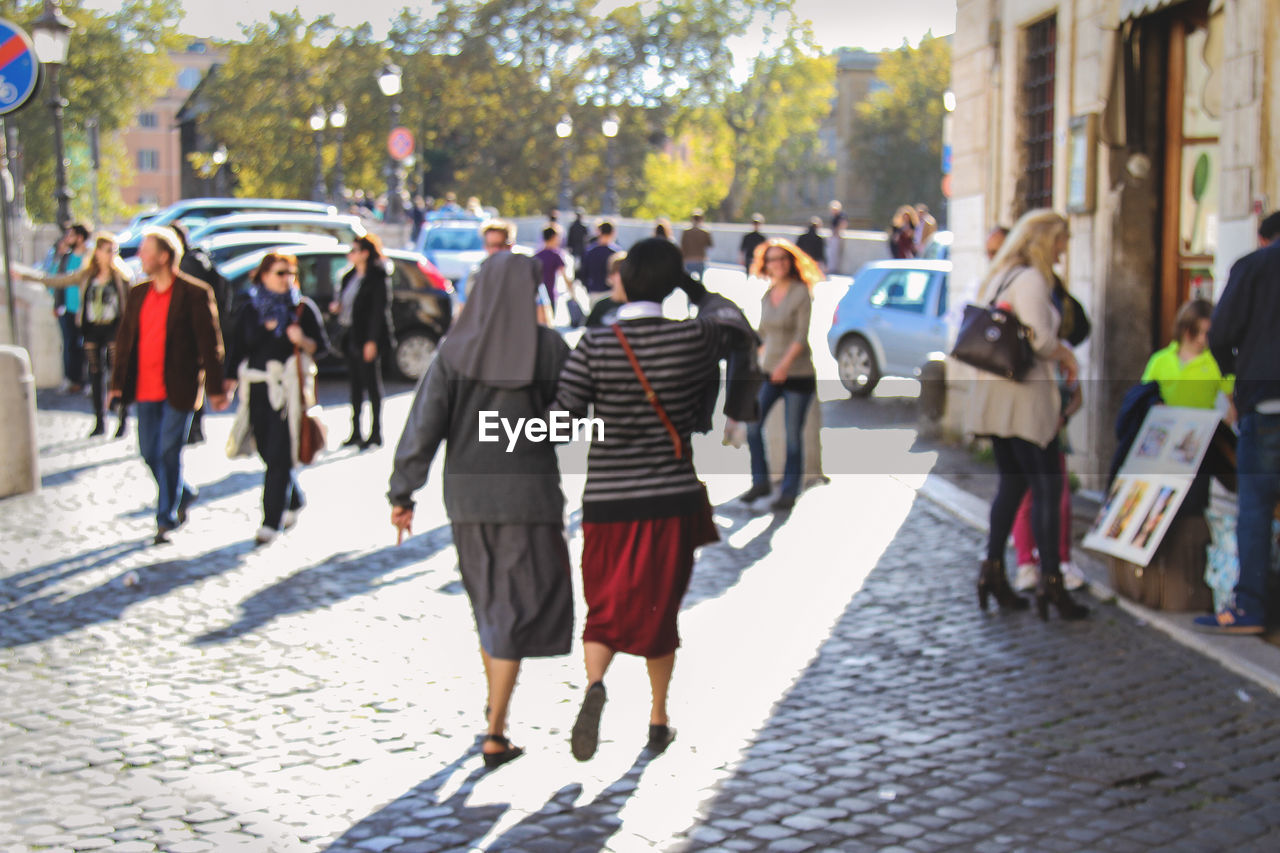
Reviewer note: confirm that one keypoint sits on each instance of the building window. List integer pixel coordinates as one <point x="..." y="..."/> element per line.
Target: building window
<point x="148" y="160"/>
<point x="1039" y="78"/>
<point x="189" y="78"/>
<point x="148" y="199"/>
<point x="149" y="120"/>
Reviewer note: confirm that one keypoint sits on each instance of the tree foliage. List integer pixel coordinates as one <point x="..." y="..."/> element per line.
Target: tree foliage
<point x="897" y="136"/>
<point x="115" y="62"/>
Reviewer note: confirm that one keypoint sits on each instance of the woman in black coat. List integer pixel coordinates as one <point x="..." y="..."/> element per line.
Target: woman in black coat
<point x="363" y="308"/>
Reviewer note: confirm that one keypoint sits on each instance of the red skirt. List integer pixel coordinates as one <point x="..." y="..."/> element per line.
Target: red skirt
<point x="634" y="575"/>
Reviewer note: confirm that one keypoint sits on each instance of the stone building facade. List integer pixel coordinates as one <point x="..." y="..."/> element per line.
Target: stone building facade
<point x="1152" y="125"/>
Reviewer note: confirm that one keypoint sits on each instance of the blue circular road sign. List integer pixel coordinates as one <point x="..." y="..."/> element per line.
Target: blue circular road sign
<point x="19" y="68"/>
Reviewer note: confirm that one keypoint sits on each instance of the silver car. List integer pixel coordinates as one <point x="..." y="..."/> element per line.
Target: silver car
<point x="889" y="322"/>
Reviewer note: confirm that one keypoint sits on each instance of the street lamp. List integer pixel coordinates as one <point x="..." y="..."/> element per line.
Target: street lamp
<point x="389" y="83"/>
<point x="609" y="127"/>
<point x="51" y="34"/>
<point x="219" y="160"/>
<point x="318" y="119"/>
<point x="338" y="118"/>
<point x="564" y="129"/>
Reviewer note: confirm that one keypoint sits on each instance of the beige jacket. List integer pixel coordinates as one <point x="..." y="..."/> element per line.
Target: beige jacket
<point x="1028" y="409"/>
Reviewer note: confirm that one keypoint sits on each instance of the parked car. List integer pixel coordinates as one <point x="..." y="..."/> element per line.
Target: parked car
<point x="454" y="246"/>
<point x="342" y="227"/>
<point x="889" y="321"/>
<point x="939" y="247"/>
<point x="420" y="311"/>
<point x="227" y="247"/>
<point x="193" y="212"/>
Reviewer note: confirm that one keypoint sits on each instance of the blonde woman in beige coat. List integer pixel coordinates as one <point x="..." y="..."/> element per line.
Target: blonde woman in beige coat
<point x="1023" y="418"/>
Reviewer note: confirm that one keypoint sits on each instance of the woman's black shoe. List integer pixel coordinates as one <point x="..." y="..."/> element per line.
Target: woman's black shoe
<point x="586" y="729"/>
<point x="660" y="737"/>
<point x="754" y="493"/>
<point x="497" y="759"/>
<point x="784" y="503"/>
<point x="123" y="428"/>
<point x="374" y="440"/>
<point x="354" y="440"/>
<point x="1051" y="591"/>
<point x="992" y="581"/>
<point x="99" y="428"/>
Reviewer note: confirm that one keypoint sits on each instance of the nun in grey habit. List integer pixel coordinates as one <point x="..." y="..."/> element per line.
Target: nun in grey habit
<point x="506" y="508"/>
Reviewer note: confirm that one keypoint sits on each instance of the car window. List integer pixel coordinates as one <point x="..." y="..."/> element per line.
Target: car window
<point x="407" y="276"/>
<point x="903" y="290"/>
<point x="454" y="240"/>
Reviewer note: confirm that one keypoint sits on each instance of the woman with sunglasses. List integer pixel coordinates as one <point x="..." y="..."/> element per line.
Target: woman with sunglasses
<point x="272" y="324"/>
<point x="787" y="360"/>
<point x="363" y="308"/>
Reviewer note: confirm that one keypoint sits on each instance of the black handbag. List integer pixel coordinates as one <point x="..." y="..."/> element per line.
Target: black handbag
<point x="994" y="340"/>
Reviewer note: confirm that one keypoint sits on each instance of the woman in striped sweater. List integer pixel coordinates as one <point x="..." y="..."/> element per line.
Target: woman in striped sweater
<point x="644" y="510"/>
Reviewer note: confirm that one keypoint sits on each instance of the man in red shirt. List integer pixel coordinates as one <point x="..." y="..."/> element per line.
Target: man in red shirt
<point x="167" y="344"/>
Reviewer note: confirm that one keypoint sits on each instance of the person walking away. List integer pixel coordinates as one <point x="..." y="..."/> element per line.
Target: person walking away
<point x="595" y="265"/>
<point x="602" y="313"/>
<point x="273" y="326"/>
<point x="68" y="256"/>
<point x="750" y="241"/>
<point x="197" y="264"/>
<point x="787" y="359"/>
<point x="576" y="240"/>
<point x="506" y="508"/>
<point x="102" y="287"/>
<point x="644" y="510"/>
<point x="814" y="245"/>
<point x="694" y="243"/>
<point x="839" y="222"/>
<point x="363" y="309"/>
<point x="555" y="266"/>
<point x="1022" y="418"/>
<point x="1243" y="340"/>
<point x="169" y="345"/>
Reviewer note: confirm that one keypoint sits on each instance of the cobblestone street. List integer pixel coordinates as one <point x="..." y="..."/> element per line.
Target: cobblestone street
<point x="837" y="687"/>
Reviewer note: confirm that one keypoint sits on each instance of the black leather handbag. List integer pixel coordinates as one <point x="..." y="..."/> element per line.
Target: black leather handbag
<point x="994" y="340"/>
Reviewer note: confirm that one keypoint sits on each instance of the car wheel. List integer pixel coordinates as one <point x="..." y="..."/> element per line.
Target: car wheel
<point x="857" y="366"/>
<point x="414" y="353"/>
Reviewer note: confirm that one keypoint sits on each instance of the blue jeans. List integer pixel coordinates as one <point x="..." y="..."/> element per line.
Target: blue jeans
<point x="72" y="348"/>
<point x="695" y="268"/>
<point x="797" y="406"/>
<point x="162" y="433"/>
<point x="1258" y="457"/>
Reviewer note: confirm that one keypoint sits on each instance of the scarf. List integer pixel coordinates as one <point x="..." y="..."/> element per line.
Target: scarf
<point x="281" y="307"/>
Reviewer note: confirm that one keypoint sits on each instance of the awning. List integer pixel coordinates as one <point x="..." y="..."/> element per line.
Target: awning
<point x="1130" y="9"/>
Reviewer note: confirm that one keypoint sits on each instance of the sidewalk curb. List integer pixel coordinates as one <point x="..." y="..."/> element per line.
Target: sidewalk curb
<point x="1249" y="657"/>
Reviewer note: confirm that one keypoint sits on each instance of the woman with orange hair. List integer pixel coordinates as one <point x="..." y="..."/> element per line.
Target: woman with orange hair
<point x="786" y="358"/>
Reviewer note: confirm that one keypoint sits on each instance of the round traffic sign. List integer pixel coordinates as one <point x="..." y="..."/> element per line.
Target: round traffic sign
<point x="400" y="143"/>
<point x="19" y="68"/>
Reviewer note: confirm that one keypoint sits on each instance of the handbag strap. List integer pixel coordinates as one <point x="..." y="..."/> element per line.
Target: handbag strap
<point x="297" y="360"/>
<point x="1008" y="277"/>
<point x="649" y="393"/>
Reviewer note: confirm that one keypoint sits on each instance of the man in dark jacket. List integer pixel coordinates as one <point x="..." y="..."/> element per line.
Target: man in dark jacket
<point x="750" y="240"/>
<point x="167" y="343"/>
<point x="813" y="244"/>
<point x="1244" y="338"/>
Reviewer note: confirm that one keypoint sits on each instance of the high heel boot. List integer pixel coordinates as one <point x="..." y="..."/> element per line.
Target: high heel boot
<point x="993" y="581"/>
<point x="1051" y="591"/>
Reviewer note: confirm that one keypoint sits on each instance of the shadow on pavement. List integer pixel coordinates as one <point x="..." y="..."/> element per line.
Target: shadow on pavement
<point x="923" y="723"/>
<point x="37" y="578"/>
<point x="38" y="619"/>
<point x="719" y="566"/>
<point x="450" y="824"/>
<point x="338" y="578"/>
<point x="445" y="824"/>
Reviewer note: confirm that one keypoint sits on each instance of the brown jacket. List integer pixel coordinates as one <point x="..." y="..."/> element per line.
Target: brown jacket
<point x="192" y="347"/>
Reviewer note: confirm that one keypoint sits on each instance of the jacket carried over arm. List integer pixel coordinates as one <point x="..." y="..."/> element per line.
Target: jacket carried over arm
<point x="192" y="347"/>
